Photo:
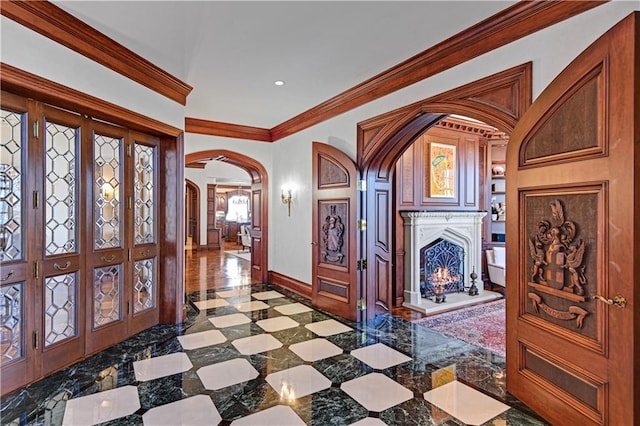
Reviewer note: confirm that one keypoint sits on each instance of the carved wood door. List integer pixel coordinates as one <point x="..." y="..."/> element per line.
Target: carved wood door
<point x="259" y="271"/>
<point x="334" y="231"/>
<point x="572" y="243"/>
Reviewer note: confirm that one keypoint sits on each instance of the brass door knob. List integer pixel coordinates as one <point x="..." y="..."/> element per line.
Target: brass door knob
<point x="618" y="301"/>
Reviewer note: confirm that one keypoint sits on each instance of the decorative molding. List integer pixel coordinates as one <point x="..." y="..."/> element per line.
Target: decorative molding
<point x="303" y="289"/>
<point x="195" y="165"/>
<point x="217" y="128"/>
<point x="513" y="23"/>
<point x="23" y="83"/>
<point x="54" y="23"/>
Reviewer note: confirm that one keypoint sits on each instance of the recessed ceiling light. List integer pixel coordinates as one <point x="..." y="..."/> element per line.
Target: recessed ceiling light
<point x="279" y="83"/>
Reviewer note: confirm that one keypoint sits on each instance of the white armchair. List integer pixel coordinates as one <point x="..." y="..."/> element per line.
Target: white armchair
<point x="245" y="237"/>
<point x="496" y="262"/>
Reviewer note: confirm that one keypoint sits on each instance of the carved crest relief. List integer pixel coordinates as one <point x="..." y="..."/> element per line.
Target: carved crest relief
<point x="333" y="231"/>
<point x="558" y="265"/>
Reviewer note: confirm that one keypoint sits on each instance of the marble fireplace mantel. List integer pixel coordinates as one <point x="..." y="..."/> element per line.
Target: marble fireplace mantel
<point x="463" y="228"/>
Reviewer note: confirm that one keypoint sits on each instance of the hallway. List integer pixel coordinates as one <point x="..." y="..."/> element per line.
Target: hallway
<point x="257" y="354"/>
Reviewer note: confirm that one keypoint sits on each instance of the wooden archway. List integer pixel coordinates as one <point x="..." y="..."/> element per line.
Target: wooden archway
<point x="259" y="203"/>
<point x="498" y="100"/>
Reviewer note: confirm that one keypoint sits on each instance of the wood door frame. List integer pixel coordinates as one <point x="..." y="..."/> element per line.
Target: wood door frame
<point x="259" y="176"/>
<point x="498" y="100"/>
<point x="192" y="186"/>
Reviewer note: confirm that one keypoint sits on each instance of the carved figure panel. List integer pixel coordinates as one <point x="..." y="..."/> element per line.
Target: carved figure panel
<point x="562" y="232"/>
<point x="333" y="248"/>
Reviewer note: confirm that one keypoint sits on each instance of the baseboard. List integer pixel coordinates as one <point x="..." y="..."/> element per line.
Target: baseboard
<point x="296" y="286"/>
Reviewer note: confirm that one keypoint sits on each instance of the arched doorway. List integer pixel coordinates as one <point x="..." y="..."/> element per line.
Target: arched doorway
<point x="498" y="100"/>
<point x="259" y="203"/>
<point x="192" y="215"/>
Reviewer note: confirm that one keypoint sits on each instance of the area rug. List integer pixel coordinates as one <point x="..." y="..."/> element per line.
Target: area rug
<point x="243" y="255"/>
<point x="481" y="325"/>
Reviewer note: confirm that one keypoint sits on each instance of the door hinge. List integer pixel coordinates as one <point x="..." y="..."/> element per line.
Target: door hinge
<point x="36" y="199"/>
<point x="36" y="269"/>
<point x="361" y="185"/>
<point x="362" y="224"/>
<point x="36" y="129"/>
<point x="362" y="264"/>
<point x="128" y="150"/>
<point x="362" y="305"/>
<point x="129" y="203"/>
<point x="129" y="255"/>
<point x="35" y="339"/>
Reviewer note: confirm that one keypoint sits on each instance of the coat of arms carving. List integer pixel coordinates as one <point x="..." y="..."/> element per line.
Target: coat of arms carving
<point x="557" y="255"/>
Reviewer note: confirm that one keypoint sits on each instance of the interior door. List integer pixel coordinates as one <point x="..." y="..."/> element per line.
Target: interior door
<point x="334" y="228"/>
<point x="572" y="243"/>
<point x="259" y="271"/>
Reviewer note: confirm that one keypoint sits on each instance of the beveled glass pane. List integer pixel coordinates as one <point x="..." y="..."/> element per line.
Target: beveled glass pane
<point x="143" y="289"/>
<point x="107" y="295"/>
<point x="60" y="308"/>
<point x="11" y="150"/>
<point x="11" y="322"/>
<point x="143" y="193"/>
<point x="60" y="188"/>
<point x="106" y="189"/>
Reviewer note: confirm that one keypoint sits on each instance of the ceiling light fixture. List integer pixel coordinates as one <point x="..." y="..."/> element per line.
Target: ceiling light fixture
<point x="279" y="83"/>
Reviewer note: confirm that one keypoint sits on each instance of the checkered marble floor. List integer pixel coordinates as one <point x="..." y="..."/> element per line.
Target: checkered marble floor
<point x="262" y="356"/>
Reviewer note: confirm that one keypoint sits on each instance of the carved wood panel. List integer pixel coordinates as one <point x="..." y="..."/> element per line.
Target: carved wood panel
<point x="332" y="174"/>
<point x="334" y="225"/>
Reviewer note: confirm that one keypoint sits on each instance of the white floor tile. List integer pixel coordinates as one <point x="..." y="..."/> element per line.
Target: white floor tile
<point x="276" y="324"/>
<point x="161" y="366"/>
<point x="465" y="403"/>
<point x="376" y="392"/>
<point x="315" y="349"/>
<point x="266" y="295"/>
<point x="380" y="356"/>
<point x="210" y="303"/>
<point x="251" y="306"/>
<point x="229" y="320"/>
<point x="202" y="339"/>
<point x="102" y="406"/>
<point x="328" y="328"/>
<point x="369" y="421"/>
<point x="198" y="410"/>
<point x="255" y="344"/>
<point x="242" y="291"/>
<point x="227" y="373"/>
<point x="280" y="415"/>
<point x="297" y="382"/>
<point x="293" y="308"/>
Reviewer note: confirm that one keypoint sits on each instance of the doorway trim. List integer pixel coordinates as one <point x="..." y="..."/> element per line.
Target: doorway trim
<point x="196" y="190"/>
<point x="498" y="100"/>
<point x="259" y="178"/>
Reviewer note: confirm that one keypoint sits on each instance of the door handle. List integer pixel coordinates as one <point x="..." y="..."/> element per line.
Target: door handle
<point x="62" y="268"/>
<point x="618" y="301"/>
<point x="7" y="277"/>
<point x="313" y="243"/>
<point x="109" y="260"/>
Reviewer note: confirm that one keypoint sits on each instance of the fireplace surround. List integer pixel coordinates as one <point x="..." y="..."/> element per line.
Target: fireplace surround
<point x="424" y="228"/>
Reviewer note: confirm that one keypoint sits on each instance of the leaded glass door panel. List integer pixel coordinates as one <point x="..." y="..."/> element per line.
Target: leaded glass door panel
<point x="144" y="291"/>
<point x="108" y="306"/>
<point x="17" y="284"/>
<point x="60" y="315"/>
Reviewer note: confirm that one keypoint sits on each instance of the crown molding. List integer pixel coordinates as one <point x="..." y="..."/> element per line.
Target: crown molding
<point x="520" y="20"/>
<point x="56" y="24"/>
<point x="217" y="128"/>
<point x="25" y="84"/>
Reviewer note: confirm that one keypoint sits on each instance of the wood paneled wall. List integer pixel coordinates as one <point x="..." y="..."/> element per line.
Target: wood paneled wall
<point x="412" y="181"/>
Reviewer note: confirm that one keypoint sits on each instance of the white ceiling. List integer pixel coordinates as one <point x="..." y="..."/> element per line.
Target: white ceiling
<point x="231" y="52"/>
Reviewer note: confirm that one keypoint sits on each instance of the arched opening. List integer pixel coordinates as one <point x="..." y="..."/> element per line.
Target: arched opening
<point x="258" y="199"/>
<point x="498" y="100"/>
<point x="192" y="215"/>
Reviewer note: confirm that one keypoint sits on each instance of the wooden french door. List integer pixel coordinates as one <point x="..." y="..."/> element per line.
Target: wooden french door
<point x="78" y="237"/>
<point x="334" y="227"/>
<point x="572" y="245"/>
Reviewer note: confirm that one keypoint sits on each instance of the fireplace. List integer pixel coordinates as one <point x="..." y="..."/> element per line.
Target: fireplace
<point x="442" y="248"/>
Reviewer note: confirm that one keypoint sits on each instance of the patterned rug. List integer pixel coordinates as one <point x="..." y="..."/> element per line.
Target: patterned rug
<point x="481" y="325"/>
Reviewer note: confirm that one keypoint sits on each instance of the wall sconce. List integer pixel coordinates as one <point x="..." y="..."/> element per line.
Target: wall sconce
<point x="287" y="198"/>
